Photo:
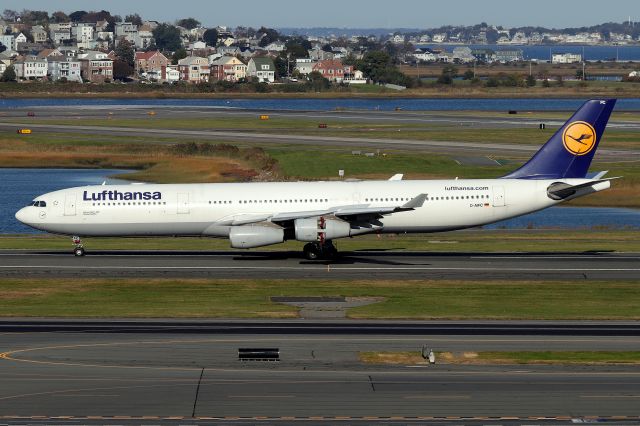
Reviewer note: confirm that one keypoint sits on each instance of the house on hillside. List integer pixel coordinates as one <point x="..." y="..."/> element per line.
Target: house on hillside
<point x="31" y="68"/>
<point x="333" y="70"/>
<point x="39" y="34"/>
<point x="304" y="66"/>
<point x="228" y="68"/>
<point x="61" y="67"/>
<point x="263" y="68"/>
<point x="194" y="69"/>
<point x="96" y="67"/>
<point x="153" y="62"/>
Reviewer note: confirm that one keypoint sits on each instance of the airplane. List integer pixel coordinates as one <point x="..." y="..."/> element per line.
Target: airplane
<point x="261" y="214"/>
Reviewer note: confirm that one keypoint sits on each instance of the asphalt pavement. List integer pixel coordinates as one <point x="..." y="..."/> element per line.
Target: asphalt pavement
<point x="371" y="265"/>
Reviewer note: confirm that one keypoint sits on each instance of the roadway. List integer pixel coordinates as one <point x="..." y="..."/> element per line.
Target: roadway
<point x="369" y="265"/>
<point x="79" y="373"/>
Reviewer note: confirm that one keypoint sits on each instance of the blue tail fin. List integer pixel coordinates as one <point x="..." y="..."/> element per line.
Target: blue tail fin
<point x="570" y="150"/>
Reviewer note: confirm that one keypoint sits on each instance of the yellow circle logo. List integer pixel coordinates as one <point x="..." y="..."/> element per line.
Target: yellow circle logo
<point x="579" y="138"/>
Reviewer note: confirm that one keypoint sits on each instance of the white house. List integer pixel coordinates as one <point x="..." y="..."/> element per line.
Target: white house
<point x="31" y="68"/>
<point x="7" y="41"/>
<point x="566" y="58"/>
<point x="305" y="65"/>
<point x="20" y="38"/>
<point x="83" y="33"/>
<point x="425" y="55"/>
<point x="63" y="67"/>
<point x="263" y="68"/>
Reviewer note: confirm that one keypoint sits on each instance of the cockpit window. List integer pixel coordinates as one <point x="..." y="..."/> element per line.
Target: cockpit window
<point x="43" y="204"/>
<point x="38" y="204"/>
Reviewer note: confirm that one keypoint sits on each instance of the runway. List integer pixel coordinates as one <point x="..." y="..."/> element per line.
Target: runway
<point x="233" y="135"/>
<point x="154" y="377"/>
<point x="364" y="265"/>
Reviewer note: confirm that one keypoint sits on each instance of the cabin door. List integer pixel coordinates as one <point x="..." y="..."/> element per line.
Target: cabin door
<point x="70" y="205"/>
<point x="498" y="196"/>
<point x="183" y="203"/>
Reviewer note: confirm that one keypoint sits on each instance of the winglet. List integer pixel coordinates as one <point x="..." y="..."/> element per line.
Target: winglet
<point x="415" y="202"/>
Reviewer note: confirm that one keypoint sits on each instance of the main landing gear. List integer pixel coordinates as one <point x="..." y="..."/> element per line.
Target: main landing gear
<point x="317" y="251"/>
<point x="79" y="249"/>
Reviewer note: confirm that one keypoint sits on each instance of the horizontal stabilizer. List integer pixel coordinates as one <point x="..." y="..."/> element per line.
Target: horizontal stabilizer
<point x="561" y="190"/>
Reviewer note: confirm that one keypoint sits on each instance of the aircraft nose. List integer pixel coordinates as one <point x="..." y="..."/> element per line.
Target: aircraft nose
<point x="23" y="215"/>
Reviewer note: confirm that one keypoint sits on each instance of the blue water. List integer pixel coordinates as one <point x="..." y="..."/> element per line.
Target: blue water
<point x="19" y="186"/>
<point x="575" y="218"/>
<point x="543" y="53"/>
<point x="409" y="104"/>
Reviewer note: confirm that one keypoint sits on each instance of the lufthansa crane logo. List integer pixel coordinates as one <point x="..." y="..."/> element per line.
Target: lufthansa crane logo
<point x="579" y="138"/>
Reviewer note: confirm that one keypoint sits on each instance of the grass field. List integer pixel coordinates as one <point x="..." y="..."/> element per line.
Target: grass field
<point x="524" y="357"/>
<point x="469" y="241"/>
<point x="413" y="299"/>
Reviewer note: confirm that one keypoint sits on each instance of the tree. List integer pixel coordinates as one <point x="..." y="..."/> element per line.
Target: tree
<point x="317" y="82"/>
<point x="10" y="15"/>
<point x="210" y="37"/>
<point x="9" y="74"/>
<point x="188" y="23"/>
<point x="269" y="35"/>
<point x="77" y="16"/>
<point x="282" y="66"/>
<point x="531" y="81"/>
<point x="121" y="69"/>
<point x="468" y="75"/>
<point x="135" y="19"/>
<point x="59" y="17"/>
<point x="179" y="54"/>
<point x="449" y="72"/>
<point x="2" y="48"/>
<point x="297" y="48"/>
<point x="125" y="52"/>
<point x="167" y="37"/>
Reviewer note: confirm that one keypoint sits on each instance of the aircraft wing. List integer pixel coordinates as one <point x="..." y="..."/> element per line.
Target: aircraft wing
<point x="341" y="211"/>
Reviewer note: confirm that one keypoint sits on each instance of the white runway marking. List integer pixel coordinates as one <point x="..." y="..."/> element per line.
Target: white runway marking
<point x="322" y="268"/>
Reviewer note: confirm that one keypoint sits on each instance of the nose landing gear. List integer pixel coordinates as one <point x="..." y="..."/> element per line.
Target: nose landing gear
<point x="318" y="251"/>
<point x="79" y="249"/>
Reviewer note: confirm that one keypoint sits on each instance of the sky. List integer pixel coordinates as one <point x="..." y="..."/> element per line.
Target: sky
<point x="358" y="13"/>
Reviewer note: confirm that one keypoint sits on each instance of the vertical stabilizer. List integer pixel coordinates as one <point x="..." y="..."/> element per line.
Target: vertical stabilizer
<point x="570" y="150"/>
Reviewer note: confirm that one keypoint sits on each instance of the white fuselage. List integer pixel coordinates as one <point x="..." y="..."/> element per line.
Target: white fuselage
<point x="205" y="209"/>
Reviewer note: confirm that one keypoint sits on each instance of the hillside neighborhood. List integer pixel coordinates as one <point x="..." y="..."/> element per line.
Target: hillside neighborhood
<point x="96" y="47"/>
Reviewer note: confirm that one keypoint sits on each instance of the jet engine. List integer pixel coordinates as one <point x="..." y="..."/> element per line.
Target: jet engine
<point x="321" y="228"/>
<point x="248" y="236"/>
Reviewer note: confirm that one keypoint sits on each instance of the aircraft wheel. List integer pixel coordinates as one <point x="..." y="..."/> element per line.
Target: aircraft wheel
<point x="79" y="251"/>
<point x="311" y="251"/>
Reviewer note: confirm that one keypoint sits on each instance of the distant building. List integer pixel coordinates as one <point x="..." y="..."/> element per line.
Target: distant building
<point x="511" y="55"/>
<point x="62" y="67"/>
<point x="333" y="70"/>
<point x="304" y="66"/>
<point x="194" y="69"/>
<point x="263" y="68"/>
<point x="151" y="62"/>
<point x="566" y="58"/>
<point x="228" y="68"/>
<point x="31" y="68"/>
<point x="96" y="67"/>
